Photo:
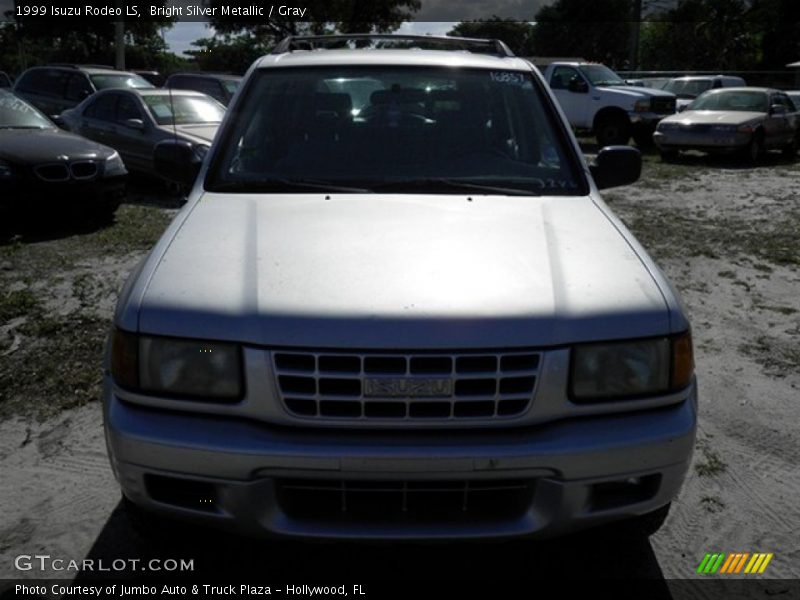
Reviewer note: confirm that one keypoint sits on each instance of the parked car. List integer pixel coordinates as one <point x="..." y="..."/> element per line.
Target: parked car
<point x="54" y="89"/>
<point x="5" y="80"/>
<point x="154" y="77"/>
<point x="794" y="96"/>
<point x="134" y="121"/>
<point x="596" y="99"/>
<point x="221" y="87"/>
<point x="747" y="120"/>
<point x="45" y="168"/>
<point x="400" y="315"/>
<point x="690" y="87"/>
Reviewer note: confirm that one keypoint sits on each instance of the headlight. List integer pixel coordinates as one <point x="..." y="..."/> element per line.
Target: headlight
<point x="177" y="367"/>
<point x="747" y="128"/>
<point x="641" y="106"/>
<point x="115" y="166"/>
<point x="636" y="368"/>
<point x="662" y="126"/>
<point x="5" y="171"/>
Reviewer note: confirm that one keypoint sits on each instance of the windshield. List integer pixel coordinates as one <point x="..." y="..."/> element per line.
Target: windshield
<point x="183" y="110"/>
<point x="683" y="88"/>
<point x="18" y="114"/>
<point x="437" y="130"/>
<point x="731" y="100"/>
<point x="119" y="80"/>
<point x="601" y="75"/>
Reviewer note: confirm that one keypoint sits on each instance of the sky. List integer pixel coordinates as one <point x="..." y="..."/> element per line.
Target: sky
<point x="180" y="37"/>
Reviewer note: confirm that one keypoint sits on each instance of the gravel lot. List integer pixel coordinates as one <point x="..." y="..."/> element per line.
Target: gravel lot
<point x="727" y="236"/>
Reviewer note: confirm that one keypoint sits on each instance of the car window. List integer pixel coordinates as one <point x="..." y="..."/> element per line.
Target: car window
<point x="689" y="88"/>
<point x="47" y="82"/>
<point x="127" y="108"/>
<point x="561" y="77"/>
<point x="230" y="85"/>
<point x="103" y="108"/>
<point x="188" y="110"/>
<point x="119" y="80"/>
<point x="601" y="75"/>
<point x="731" y="100"/>
<point x="210" y="87"/>
<point x="78" y="87"/>
<point x="461" y="125"/>
<point x="15" y="113"/>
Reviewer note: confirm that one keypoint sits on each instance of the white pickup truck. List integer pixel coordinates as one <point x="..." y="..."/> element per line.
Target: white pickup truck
<point x="595" y="98"/>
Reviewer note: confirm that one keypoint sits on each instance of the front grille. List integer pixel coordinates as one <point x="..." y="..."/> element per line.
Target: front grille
<point x="406" y="386"/>
<point x="80" y="170"/>
<point x="52" y="172"/>
<point x="392" y="501"/>
<point x="83" y="169"/>
<point x="663" y="105"/>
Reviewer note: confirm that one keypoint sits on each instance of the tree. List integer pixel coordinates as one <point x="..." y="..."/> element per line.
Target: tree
<point x="227" y="53"/>
<point x="518" y="35"/>
<point x="778" y="31"/>
<point x="322" y="16"/>
<point x="30" y="41"/>
<point x="599" y="30"/>
<point x="701" y="35"/>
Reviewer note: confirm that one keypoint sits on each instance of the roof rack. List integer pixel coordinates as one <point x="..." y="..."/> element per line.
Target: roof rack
<point x="359" y="40"/>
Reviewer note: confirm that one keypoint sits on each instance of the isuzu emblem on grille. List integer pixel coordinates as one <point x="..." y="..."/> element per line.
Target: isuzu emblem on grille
<point x="393" y="387"/>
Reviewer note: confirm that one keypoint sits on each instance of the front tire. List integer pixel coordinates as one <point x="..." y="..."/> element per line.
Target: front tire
<point x="755" y="148"/>
<point x="612" y="130"/>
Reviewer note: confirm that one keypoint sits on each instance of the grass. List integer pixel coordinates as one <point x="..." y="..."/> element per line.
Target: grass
<point x="56" y="361"/>
<point x="712" y="465"/>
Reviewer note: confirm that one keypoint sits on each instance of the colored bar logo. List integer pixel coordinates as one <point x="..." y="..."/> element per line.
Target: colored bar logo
<point x="734" y="563"/>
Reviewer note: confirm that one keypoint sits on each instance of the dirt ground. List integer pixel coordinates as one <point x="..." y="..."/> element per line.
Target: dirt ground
<point x="727" y="236"/>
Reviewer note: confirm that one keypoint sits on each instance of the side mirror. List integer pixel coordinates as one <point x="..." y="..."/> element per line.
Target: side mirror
<point x="777" y="109"/>
<point x="176" y="160"/>
<point x="578" y="85"/>
<point x="134" y="124"/>
<point x="615" y="166"/>
<point x="59" y="121"/>
<point x="682" y="107"/>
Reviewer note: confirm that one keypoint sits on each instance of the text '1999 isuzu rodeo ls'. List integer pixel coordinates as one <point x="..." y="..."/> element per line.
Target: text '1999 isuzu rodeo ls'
<point x="395" y="307"/>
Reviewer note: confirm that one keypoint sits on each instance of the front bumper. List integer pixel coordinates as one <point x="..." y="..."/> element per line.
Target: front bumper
<point x="706" y="142"/>
<point x="237" y="470"/>
<point x="31" y="194"/>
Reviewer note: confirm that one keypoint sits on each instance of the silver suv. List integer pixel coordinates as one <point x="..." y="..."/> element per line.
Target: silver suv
<point x="395" y="306"/>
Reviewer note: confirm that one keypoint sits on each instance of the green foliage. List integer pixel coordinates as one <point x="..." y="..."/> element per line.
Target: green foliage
<point x="599" y="30"/>
<point x="701" y="35"/>
<point x="517" y="35"/>
<point x="322" y="16"/>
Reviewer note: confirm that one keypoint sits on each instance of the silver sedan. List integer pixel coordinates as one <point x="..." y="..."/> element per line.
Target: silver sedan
<point x="134" y="121"/>
<point x="748" y="120"/>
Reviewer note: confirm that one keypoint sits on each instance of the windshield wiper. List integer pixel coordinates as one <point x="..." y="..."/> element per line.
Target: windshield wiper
<point x="282" y="185"/>
<point x="442" y="184"/>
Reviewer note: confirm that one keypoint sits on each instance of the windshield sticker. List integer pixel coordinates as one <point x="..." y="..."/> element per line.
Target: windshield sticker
<point x="508" y="77"/>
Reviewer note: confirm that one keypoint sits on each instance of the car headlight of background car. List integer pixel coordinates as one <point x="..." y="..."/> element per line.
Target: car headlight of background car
<point x="628" y="369"/>
<point x="641" y="106"/>
<point x="115" y="166"/>
<point x="195" y="369"/>
<point x="666" y="126"/>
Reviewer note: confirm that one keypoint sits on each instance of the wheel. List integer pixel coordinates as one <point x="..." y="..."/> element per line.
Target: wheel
<point x="612" y="130"/>
<point x="790" y="149"/>
<point x="755" y="148"/>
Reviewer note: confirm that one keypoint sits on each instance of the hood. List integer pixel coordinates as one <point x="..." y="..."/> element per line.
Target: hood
<point x="713" y="117"/>
<point x="34" y="146"/>
<point x="633" y="90"/>
<point x="383" y="271"/>
<point x="200" y="134"/>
